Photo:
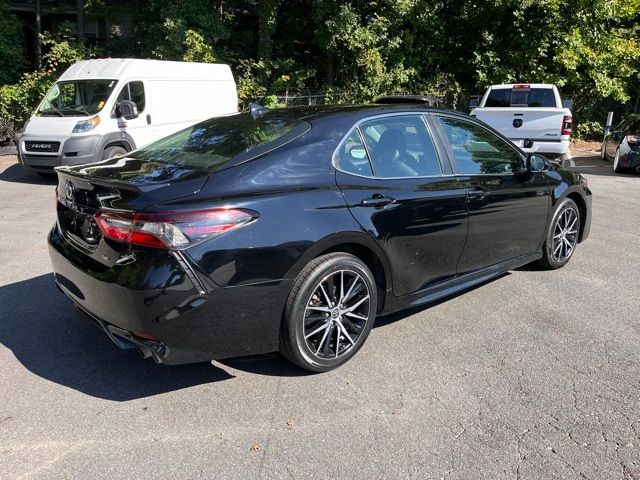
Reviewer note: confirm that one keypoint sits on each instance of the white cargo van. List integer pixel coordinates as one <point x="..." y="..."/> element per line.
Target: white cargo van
<point x="102" y="108"/>
<point x="530" y="115"/>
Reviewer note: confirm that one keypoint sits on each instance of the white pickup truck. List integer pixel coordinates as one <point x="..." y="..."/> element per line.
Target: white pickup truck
<point x="530" y="115"/>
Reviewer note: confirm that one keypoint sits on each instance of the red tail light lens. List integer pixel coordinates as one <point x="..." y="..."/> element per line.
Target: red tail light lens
<point x="567" y="124"/>
<point x="521" y="87"/>
<point x="170" y="229"/>
<point x="633" y="139"/>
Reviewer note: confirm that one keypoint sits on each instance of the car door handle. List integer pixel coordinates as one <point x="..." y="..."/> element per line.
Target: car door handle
<point x="148" y="119"/>
<point x="377" y="200"/>
<point x="478" y="192"/>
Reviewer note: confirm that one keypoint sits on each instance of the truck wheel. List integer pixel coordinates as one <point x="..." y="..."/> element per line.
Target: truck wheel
<point x="115" y="151"/>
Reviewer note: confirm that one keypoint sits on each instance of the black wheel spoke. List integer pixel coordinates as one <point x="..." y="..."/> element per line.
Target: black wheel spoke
<point x="565" y="234"/>
<point x="336" y="314"/>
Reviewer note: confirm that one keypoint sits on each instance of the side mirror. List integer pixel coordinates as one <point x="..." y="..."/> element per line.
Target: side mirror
<point x="536" y="163"/>
<point x="127" y="109"/>
<point x="473" y="103"/>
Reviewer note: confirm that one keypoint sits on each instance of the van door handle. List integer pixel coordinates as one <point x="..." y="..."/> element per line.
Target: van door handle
<point x="377" y="200"/>
<point x="148" y="119"/>
<point x="478" y="192"/>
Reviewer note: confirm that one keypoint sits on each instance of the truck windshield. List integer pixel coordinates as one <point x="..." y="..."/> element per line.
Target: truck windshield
<point x="521" y="97"/>
<point x="76" y="98"/>
<point x="211" y="145"/>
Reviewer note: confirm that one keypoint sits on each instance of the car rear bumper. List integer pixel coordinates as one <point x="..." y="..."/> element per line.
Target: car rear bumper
<point x="153" y="305"/>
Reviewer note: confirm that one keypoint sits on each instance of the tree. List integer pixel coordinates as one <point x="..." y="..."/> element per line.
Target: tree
<point x="12" y="52"/>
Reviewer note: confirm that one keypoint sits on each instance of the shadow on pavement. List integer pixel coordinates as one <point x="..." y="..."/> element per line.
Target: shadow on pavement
<point x="16" y="173"/>
<point x="40" y="326"/>
<point x="594" y="165"/>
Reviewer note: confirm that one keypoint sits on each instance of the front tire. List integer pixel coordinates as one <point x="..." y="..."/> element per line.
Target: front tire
<point x="115" y="151"/>
<point x="616" y="163"/>
<point x="562" y="236"/>
<point x="329" y="312"/>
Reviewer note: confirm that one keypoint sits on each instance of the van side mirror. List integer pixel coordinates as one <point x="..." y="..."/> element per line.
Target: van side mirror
<point x="473" y="103"/>
<point x="127" y="109"/>
<point x="536" y="163"/>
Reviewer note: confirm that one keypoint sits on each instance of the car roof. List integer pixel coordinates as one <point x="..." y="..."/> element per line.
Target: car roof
<point x="352" y="112"/>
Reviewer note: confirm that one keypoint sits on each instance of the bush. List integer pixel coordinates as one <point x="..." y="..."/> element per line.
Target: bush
<point x="18" y="101"/>
<point x="588" y="131"/>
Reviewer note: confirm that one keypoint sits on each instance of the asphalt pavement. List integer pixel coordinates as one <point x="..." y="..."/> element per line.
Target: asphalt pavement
<point x="535" y="375"/>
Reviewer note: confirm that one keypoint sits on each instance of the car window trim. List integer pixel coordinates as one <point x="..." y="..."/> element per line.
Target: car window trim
<point x="356" y="126"/>
<point x="452" y="158"/>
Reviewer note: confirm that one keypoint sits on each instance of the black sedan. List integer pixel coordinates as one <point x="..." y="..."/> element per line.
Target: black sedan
<point x="622" y="144"/>
<point x="292" y="230"/>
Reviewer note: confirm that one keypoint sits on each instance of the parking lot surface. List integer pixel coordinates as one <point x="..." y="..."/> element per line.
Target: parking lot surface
<point x="535" y="375"/>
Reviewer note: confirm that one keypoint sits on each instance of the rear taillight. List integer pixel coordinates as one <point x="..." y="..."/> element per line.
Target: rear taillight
<point x="521" y="87"/>
<point x="567" y="124"/>
<point x="633" y="139"/>
<point x="176" y="230"/>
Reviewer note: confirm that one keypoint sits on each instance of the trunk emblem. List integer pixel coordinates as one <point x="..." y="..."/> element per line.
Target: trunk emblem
<point x="69" y="189"/>
<point x="517" y="123"/>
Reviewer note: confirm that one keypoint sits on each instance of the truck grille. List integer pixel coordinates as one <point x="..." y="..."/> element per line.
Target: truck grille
<point x="45" y="147"/>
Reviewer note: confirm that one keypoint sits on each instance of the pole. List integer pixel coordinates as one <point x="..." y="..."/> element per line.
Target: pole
<point x="38" y="30"/>
<point x="80" y="21"/>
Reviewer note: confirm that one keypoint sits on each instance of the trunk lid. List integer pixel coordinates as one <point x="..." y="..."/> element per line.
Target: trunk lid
<point x="122" y="184"/>
<point x="533" y="123"/>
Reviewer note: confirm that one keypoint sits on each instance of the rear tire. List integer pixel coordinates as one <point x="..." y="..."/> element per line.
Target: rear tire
<point x="562" y="236"/>
<point x="329" y="313"/>
<point x="115" y="151"/>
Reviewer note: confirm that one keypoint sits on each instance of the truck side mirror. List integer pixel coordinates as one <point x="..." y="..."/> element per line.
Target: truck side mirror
<point x="127" y="109"/>
<point x="473" y="103"/>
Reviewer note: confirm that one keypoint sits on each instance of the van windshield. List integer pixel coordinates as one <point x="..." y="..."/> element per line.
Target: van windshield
<point x="214" y="143"/>
<point x="76" y="98"/>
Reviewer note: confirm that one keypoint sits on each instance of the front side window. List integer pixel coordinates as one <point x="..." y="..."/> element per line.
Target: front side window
<point x="477" y="150"/>
<point x="400" y="146"/>
<point x="212" y="144"/>
<point x="76" y="98"/>
<point x="133" y="91"/>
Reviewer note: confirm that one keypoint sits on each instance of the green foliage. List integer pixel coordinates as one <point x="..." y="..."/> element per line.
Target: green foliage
<point x="588" y="131"/>
<point x="12" y="51"/>
<point x="17" y="101"/>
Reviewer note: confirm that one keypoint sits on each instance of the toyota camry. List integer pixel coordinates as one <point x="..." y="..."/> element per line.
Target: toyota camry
<point x="293" y="229"/>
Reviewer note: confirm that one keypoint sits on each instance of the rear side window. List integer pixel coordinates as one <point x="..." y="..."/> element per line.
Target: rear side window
<point x="214" y="143"/>
<point x="521" y="97"/>
<point x="400" y="146"/>
<point x="352" y="156"/>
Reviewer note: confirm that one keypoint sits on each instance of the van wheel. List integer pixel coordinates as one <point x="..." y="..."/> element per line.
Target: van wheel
<point x="329" y="312"/>
<point x="115" y="151"/>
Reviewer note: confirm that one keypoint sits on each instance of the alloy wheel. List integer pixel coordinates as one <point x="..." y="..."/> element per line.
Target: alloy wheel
<point x="336" y="314"/>
<point x="565" y="235"/>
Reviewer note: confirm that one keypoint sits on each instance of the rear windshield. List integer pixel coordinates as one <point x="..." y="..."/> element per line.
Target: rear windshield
<point x="529" y="97"/>
<point x="213" y="144"/>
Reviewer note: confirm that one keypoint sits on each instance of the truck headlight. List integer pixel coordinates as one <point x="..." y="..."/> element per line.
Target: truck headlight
<point x="86" y="125"/>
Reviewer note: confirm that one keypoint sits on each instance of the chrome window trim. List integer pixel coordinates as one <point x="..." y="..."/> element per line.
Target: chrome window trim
<point x="356" y="126"/>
